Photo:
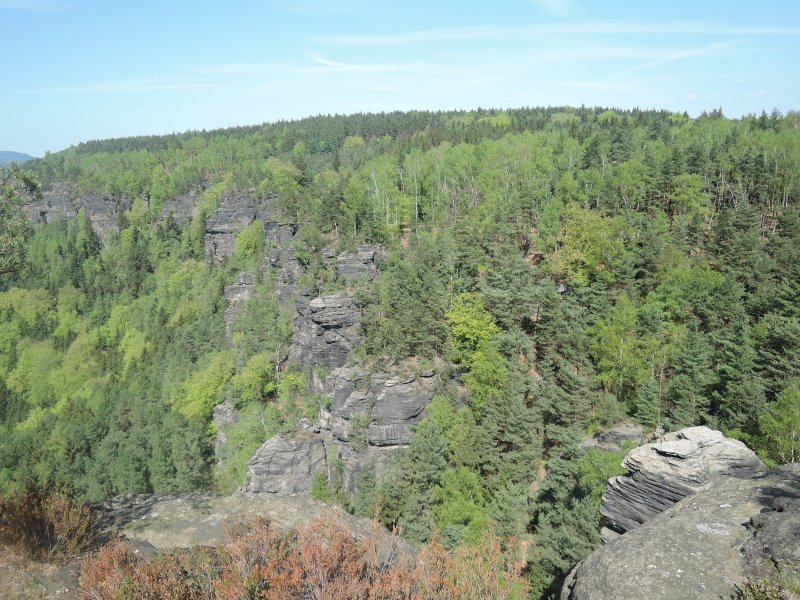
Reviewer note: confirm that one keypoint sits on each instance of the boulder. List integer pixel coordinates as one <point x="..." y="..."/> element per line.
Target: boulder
<point x="287" y="464"/>
<point x="661" y="474"/>
<point x="708" y="545"/>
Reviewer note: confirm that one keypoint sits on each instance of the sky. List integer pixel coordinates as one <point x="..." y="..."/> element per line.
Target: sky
<point x="77" y="70"/>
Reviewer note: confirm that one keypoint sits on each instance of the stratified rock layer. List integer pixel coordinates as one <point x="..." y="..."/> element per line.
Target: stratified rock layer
<point x="325" y="330"/>
<point x="287" y="464"/>
<point x="237" y="295"/>
<point x="663" y="473"/>
<point x="708" y="545"/>
<point x="369" y="418"/>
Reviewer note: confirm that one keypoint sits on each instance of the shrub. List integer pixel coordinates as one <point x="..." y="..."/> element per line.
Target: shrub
<point x="321" y="562"/>
<point x="45" y="523"/>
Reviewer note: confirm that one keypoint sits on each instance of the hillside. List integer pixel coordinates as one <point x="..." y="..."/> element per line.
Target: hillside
<point x="420" y="314"/>
<point x="7" y="157"/>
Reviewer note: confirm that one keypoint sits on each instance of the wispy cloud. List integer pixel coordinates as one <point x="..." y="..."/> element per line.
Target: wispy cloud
<point x="552" y="7"/>
<point x="333" y="65"/>
<point x="708" y="50"/>
<point x="526" y="31"/>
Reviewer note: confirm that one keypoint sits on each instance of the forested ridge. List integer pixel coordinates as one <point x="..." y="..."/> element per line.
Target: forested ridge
<point x="562" y="270"/>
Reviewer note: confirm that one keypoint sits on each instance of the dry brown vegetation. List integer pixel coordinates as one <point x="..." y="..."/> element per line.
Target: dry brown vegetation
<point x="45" y="524"/>
<point x="320" y="562"/>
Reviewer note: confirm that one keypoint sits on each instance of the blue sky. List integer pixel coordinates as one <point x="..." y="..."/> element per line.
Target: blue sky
<point x="78" y="70"/>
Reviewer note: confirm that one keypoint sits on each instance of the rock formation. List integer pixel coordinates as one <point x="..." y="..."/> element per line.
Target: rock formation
<point x="237" y="295"/>
<point x="369" y="417"/>
<point x="235" y="212"/>
<point x="708" y="545"/>
<point x="189" y="519"/>
<point x="325" y="330"/>
<point x="615" y="438"/>
<point x="287" y="464"/>
<point x="351" y="266"/>
<point x="662" y="473"/>
<point x="181" y="208"/>
<point x="61" y="201"/>
<point x="700" y="515"/>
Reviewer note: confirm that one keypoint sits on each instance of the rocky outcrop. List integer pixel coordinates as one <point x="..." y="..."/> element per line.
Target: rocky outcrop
<point x="661" y="474"/>
<point x="362" y="264"/>
<point x="325" y="327"/>
<point x="287" y="464"/>
<point x="235" y="212"/>
<point x="224" y="415"/>
<point x="190" y="519"/>
<point x="102" y="213"/>
<point x="708" y="545"/>
<point x="237" y="295"/>
<point x="615" y="438"/>
<point x="181" y="208"/>
<point x="62" y="201"/>
<point x="325" y="330"/>
<point x="368" y="418"/>
<point x="55" y="203"/>
<point x="280" y="259"/>
<point x="384" y="407"/>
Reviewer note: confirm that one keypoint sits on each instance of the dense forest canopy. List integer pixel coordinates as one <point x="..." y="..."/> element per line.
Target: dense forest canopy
<point x="569" y="268"/>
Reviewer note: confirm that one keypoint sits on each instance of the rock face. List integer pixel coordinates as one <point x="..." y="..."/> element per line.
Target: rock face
<point x="234" y="214"/>
<point x="663" y="473"/>
<point x="287" y="464"/>
<point x="708" y="545"/>
<point x="369" y="418"/>
<point x="280" y="258"/>
<point x="351" y="266"/>
<point x="55" y="203"/>
<point x="237" y="295"/>
<point x="389" y="406"/>
<point x="614" y="438"/>
<point x="325" y="330"/>
<point x="181" y="208"/>
<point x="61" y="202"/>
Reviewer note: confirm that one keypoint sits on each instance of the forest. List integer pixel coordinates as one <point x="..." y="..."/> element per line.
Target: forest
<point x="562" y="269"/>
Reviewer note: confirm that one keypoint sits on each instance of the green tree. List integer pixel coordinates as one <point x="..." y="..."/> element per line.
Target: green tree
<point x="17" y="187"/>
<point x="780" y="428"/>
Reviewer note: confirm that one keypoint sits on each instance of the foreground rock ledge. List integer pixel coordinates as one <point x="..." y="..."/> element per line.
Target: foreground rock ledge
<point x="708" y="545"/>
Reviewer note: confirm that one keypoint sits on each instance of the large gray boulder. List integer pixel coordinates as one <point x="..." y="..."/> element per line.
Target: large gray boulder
<point x="287" y="464"/>
<point x="662" y="473"/>
<point x="708" y="545"/>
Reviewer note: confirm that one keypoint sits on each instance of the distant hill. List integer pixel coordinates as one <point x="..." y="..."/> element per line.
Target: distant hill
<point x="7" y="156"/>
